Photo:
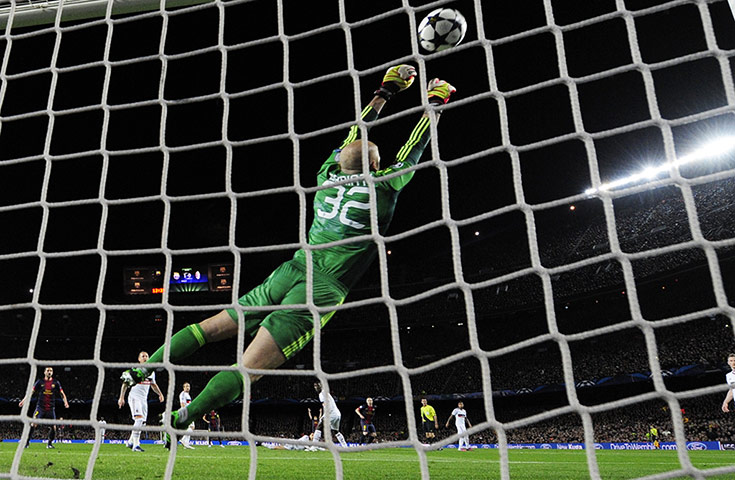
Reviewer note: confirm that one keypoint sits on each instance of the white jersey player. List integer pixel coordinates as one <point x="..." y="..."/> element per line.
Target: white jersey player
<point x="461" y="422"/>
<point x="102" y="423"/>
<point x="184" y="400"/>
<point x="298" y="446"/>
<point x="730" y="379"/>
<point x="138" y="403"/>
<point x="302" y="443"/>
<point x="333" y="415"/>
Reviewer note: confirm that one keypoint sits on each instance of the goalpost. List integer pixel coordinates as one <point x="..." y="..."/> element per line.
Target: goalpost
<point x="43" y="13"/>
<point x="115" y="111"/>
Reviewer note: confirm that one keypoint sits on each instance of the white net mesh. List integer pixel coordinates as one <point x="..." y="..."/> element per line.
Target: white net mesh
<point x="191" y="136"/>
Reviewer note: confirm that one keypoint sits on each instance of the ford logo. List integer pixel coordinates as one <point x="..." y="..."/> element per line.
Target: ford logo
<point x="696" y="446"/>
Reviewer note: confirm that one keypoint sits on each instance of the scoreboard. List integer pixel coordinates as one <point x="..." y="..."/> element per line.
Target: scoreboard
<point x="143" y="280"/>
<point x="184" y="278"/>
<point x="220" y="278"/>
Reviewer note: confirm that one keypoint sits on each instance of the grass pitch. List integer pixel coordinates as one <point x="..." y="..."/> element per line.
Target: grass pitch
<point x="115" y="462"/>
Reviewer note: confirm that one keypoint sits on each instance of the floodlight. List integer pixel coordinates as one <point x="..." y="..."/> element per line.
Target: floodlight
<point x="710" y="150"/>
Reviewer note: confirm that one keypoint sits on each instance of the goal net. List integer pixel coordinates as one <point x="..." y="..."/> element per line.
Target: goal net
<point x="562" y="261"/>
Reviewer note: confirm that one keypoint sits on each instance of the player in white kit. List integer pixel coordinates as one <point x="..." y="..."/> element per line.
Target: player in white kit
<point x="730" y="379"/>
<point x="138" y="403"/>
<point x="333" y="414"/>
<point x="102" y="429"/>
<point x="461" y="422"/>
<point x="184" y="400"/>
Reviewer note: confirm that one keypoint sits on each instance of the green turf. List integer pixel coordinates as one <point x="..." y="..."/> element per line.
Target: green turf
<point x="115" y="462"/>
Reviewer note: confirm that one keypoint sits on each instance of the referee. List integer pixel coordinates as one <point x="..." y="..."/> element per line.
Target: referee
<point x="428" y="419"/>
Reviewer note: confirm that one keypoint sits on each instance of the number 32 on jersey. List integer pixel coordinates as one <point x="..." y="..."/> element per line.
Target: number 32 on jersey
<point x="342" y="209"/>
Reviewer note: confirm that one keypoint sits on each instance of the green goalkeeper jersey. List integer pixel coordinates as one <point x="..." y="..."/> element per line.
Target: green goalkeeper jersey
<point x="343" y="211"/>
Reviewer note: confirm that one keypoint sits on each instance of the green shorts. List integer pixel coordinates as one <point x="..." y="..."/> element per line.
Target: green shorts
<point x="292" y="329"/>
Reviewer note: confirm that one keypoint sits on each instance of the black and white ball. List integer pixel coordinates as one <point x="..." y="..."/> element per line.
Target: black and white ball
<point x="441" y="29"/>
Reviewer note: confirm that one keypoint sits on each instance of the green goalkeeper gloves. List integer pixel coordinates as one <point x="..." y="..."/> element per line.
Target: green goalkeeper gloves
<point x="396" y="79"/>
<point x="401" y="77"/>
<point x="439" y="91"/>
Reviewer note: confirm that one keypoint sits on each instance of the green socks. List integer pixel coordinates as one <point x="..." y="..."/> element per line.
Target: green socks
<point x="222" y="389"/>
<point x="184" y="342"/>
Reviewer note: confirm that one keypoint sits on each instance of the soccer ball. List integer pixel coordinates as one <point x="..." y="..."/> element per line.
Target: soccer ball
<point x="441" y="29"/>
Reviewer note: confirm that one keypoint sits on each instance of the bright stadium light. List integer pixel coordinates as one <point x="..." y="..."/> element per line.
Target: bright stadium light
<point x="711" y="150"/>
<point x="650" y="172"/>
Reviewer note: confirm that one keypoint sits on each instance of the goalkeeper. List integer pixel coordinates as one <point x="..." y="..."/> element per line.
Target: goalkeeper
<point x="341" y="211"/>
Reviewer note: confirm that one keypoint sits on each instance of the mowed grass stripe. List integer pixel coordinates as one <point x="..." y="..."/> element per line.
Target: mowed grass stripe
<point x="115" y="462"/>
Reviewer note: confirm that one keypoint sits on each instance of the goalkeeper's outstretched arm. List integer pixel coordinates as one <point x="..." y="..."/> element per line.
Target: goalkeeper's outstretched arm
<point x="438" y="92"/>
<point x="396" y="79"/>
<point x="348" y="157"/>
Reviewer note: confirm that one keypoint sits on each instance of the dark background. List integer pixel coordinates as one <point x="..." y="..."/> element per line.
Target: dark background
<point x="183" y="139"/>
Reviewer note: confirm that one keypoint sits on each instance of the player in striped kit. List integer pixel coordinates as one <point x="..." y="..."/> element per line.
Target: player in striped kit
<point x="138" y="402"/>
<point x="313" y="419"/>
<point x="47" y="389"/>
<point x="367" y="427"/>
<point x="342" y="211"/>
<point x="214" y="424"/>
<point x="184" y="400"/>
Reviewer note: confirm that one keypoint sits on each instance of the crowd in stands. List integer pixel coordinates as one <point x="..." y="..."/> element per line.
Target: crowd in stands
<point x="701" y="418"/>
<point x="497" y="319"/>
<point x="704" y="341"/>
<point x="643" y="223"/>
